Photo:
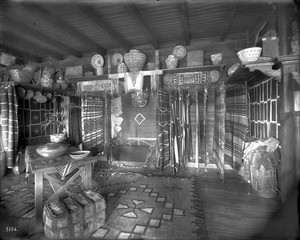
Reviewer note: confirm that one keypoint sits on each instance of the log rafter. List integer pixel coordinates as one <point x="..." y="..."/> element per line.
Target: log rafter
<point x="96" y="18"/>
<point x="230" y="19"/>
<point x="62" y="25"/>
<point x="184" y="22"/>
<point x="135" y="14"/>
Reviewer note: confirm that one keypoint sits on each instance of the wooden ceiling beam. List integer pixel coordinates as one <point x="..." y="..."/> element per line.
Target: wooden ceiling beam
<point x="62" y="25"/>
<point x="230" y="18"/>
<point x="25" y="48"/>
<point x="259" y="25"/>
<point x="26" y="32"/>
<point x="135" y="14"/>
<point x="95" y="18"/>
<point x="184" y="22"/>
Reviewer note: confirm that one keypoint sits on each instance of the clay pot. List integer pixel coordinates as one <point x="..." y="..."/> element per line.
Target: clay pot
<point x="135" y="60"/>
<point x="122" y="68"/>
<point x="171" y="62"/>
<point x="52" y="150"/>
<point x="216" y="59"/>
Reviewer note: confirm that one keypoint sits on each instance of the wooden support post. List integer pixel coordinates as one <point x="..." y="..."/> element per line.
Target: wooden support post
<point x="288" y="178"/>
<point x="284" y="28"/>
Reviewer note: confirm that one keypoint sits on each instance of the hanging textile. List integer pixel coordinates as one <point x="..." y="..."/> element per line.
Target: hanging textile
<point x="163" y="113"/>
<point x="181" y="149"/>
<point x="236" y="124"/>
<point x="219" y="132"/>
<point x="75" y="128"/>
<point x="210" y="124"/>
<point x="9" y="122"/>
<point x="93" y="123"/>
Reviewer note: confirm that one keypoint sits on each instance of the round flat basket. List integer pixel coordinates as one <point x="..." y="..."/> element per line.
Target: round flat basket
<point x="168" y="79"/>
<point x="116" y="59"/>
<point x="97" y="61"/>
<point x="179" y="52"/>
<point x="79" y="155"/>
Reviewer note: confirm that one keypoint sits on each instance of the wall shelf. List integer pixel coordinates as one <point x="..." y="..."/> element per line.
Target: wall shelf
<point x="147" y="73"/>
<point x="260" y="70"/>
<point x="195" y="69"/>
<point x="46" y="89"/>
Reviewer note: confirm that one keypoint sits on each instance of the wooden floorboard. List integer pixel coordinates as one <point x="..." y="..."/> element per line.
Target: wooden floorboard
<point x="233" y="210"/>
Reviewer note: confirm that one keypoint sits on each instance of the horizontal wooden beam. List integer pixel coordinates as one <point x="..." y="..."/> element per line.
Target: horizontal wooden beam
<point x="25" y="46"/>
<point x="229" y="21"/>
<point x="25" y="32"/>
<point x="57" y="22"/>
<point x="259" y="25"/>
<point x="96" y="18"/>
<point x="184" y="22"/>
<point x="135" y="14"/>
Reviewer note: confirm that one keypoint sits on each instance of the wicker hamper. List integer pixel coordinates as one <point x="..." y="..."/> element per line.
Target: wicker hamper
<point x="76" y="217"/>
<point x="264" y="182"/>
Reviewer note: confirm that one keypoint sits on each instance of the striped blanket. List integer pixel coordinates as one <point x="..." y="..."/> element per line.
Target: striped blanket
<point x="93" y="123"/>
<point x="236" y="124"/>
<point x="9" y="122"/>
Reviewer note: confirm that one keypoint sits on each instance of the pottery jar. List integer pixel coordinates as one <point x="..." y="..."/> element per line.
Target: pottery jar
<point x="171" y="62"/>
<point x="122" y="68"/>
<point x="135" y="60"/>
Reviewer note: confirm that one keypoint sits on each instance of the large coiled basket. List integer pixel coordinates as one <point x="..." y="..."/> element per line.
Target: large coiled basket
<point x="135" y="60"/>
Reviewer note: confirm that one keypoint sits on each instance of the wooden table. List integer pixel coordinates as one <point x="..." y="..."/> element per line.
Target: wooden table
<point x="41" y="167"/>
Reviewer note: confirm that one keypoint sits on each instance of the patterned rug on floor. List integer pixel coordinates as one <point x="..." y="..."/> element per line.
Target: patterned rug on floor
<point x="150" y="207"/>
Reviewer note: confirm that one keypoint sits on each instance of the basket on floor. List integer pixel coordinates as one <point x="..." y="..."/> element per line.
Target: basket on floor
<point x="21" y="76"/>
<point x="75" y="217"/>
<point x="264" y="182"/>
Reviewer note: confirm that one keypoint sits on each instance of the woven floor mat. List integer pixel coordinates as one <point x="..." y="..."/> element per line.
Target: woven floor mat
<point x="150" y="207"/>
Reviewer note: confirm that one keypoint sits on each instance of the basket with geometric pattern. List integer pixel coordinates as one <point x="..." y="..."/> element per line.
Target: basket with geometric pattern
<point x="21" y="76"/>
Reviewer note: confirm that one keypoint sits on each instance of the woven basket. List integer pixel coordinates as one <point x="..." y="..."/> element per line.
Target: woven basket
<point x="79" y="155"/>
<point x="249" y="54"/>
<point x="264" y="182"/>
<point x="7" y="59"/>
<point x="22" y="76"/>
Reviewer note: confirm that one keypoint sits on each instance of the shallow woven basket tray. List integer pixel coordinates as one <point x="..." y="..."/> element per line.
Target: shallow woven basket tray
<point x="78" y="155"/>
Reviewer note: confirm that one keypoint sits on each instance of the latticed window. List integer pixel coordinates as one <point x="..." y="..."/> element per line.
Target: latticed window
<point x="263" y="115"/>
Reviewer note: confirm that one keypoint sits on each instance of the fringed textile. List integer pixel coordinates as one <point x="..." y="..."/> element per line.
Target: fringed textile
<point x="219" y="132"/>
<point x="236" y="124"/>
<point x="163" y="128"/>
<point x="93" y="123"/>
<point x="9" y="123"/>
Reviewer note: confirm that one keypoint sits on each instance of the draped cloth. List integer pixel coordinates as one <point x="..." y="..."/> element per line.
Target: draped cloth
<point x="75" y="128"/>
<point x="219" y="131"/>
<point x="93" y="123"/>
<point x="236" y="124"/>
<point x="9" y="124"/>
